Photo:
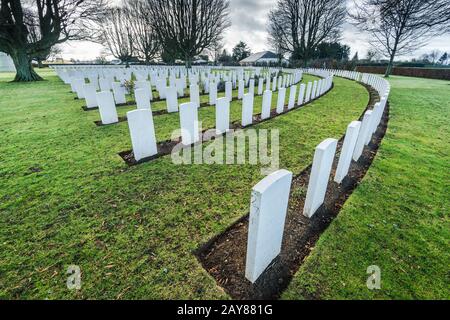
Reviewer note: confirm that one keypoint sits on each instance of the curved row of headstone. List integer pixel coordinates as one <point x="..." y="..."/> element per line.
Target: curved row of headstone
<point x="142" y="132"/>
<point x="270" y="197"/>
<point x="106" y="101"/>
<point x="159" y="79"/>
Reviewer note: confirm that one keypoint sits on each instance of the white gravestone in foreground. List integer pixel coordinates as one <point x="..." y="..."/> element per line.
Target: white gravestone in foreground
<point x="320" y="174"/>
<point x="348" y="147"/>
<point x="171" y="99"/>
<point x="281" y="99"/>
<point x="142" y="131"/>
<point x="222" y="115"/>
<point x="107" y="107"/>
<point x="247" y="109"/>
<point x="90" y="95"/>
<point x="189" y="123"/>
<point x="362" y="136"/>
<point x="194" y="92"/>
<point x="268" y="211"/>
<point x="142" y="99"/>
<point x="292" y="97"/>
<point x="266" y="105"/>
<point x="301" y="95"/>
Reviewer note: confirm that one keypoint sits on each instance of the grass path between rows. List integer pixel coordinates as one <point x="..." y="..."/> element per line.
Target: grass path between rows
<point x="398" y="218"/>
<point x="67" y="198"/>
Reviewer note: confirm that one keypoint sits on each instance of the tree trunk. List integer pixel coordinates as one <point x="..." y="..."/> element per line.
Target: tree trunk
<point x="40" y="65"/>
<point x="390" y="65"/>
<point x="24" y="69"/>
<point x="188" y="62"/>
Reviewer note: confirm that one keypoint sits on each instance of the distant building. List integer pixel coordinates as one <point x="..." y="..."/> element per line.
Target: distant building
<point x="6" y="63"/>
<point x="261" y="58"/>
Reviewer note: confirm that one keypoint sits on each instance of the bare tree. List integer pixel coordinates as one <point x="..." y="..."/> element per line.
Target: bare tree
<point x="399" y="27"/>
<point x="435" y="55"/>
<point x="115" y="32"/>
<point x="216" y="50"/>
<point x="299" y="26"/>
<point x="29" y="29"/>
<point x="185" y="28"/>
<point x="145" y="42"/>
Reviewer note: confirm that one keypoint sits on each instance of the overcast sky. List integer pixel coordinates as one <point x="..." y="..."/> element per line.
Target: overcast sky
<point x="249" y="24"/>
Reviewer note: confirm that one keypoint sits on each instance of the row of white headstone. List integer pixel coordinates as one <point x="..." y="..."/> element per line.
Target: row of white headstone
<point x="141" y="124"/>
<point x="270" y="197"/>
<point x="176" y="90"/>
<point x="107" y="101"/>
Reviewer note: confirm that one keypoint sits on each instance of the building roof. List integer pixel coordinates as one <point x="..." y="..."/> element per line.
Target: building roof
<point x="260" y="55"/>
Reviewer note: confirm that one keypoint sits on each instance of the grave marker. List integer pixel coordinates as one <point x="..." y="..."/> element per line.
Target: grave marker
<point x="268" y="211"/>
<point x="107" y="107"/>
<point x="320" y="174"/>
<point x="142" y="132"/>
<point x="348" y="147"/>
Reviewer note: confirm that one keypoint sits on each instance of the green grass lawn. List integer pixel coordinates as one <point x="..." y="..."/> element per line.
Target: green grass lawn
<point x="67" y="198"/>
<point x="398" y="218"/>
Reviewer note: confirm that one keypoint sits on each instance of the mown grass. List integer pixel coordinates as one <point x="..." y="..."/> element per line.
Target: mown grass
<point x="398" y="218"/>
<point x="67" y="198"/>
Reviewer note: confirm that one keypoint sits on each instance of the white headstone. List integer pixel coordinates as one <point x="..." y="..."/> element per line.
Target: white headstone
<point x="314" y="91"/>
<point x="292" y="97"/>
<point x="308" y="92"/>
<point x="362" y="136"/>
<point x="212" y="93"/>
<point x="171" y="99"/>
<point x="107" y="107"/>
<point x="229" y="90"/>
<point x="142" y="131"/>
<point x="222" y="115"/>
<point x="105" y="84"/>
<point x="251" y="86"/>
<point x="348" y="147"/>
<point x="142" y="99"/>
<point x="281" y="100"/>
<point x="241" y="89"/>
<point x="320" y="174"/>
<point x="260" y="86"/>
<point x="266" y="105"/>
<point x="194" y="92"/>
<point x="119" y="93"/>
<point x="268" y="209"/>
<point x="79" y="87"/>
<point x="6" y="63"/>
<point x="90" y="95"/>
<point x="247" y="109"/>
<point x="189" y="123"/>
<point x="301" y="95"/>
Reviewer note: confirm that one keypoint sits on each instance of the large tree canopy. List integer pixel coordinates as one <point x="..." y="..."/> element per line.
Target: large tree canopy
<point x="399" y="27"/>
<point x="187" y="28"/>
<point x="30" y="28"/>
<point x="299" y="26"/>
